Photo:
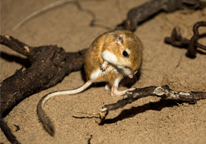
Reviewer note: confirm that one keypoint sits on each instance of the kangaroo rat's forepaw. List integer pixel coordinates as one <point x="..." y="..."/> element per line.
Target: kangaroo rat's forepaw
<point x="104" y="66"/>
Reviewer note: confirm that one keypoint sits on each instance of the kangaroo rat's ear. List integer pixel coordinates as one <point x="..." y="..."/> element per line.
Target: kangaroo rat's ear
<point x="120" y="39"/>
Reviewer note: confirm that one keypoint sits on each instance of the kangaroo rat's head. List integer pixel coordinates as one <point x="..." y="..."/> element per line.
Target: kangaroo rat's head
<point x="125" y="51"/>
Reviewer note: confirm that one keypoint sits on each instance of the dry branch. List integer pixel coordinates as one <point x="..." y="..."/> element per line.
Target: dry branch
<point x="163" y="92"/>
<point x="140" y="14"/>
<point x="8" y="133"/>
<point x="177" y="40"/>
<point x="49" y="65"/>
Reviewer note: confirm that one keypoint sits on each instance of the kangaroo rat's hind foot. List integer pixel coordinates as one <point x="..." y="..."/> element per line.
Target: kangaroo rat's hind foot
<point x="115" y="92"/>
<point x="107" y="87"/>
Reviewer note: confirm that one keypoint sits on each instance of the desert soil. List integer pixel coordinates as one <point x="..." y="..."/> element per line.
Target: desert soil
<point x="147" y="120"/>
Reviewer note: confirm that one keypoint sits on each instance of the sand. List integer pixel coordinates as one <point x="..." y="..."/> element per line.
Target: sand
<point x="147" y="120"/>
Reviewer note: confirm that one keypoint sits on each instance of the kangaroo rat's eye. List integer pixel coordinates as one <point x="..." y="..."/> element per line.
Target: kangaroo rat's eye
<point x="125" y="54"/>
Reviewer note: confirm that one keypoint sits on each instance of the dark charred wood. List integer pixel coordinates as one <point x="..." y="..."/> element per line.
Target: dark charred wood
<point x="49" y="65"/>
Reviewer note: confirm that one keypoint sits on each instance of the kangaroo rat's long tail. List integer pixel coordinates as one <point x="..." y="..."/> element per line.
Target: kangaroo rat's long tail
<point x="44" y="119"/>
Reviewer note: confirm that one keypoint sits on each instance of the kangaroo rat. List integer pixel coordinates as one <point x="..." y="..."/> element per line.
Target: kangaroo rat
<point x="112" y="56"/>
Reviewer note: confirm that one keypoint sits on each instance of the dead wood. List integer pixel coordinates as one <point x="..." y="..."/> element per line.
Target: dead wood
<point x="7" y="132"/>
<point x="177" y="40"/>
<point x="49" y="65"/>
<point x="142" y="13"/>
<point x="164" y="92"/>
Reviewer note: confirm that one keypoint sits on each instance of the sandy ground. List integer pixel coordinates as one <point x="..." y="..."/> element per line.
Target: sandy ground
<point x="147" y="120"/>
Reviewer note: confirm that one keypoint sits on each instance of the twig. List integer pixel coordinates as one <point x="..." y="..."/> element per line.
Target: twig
<point x="90" y="138"/>
<point x="177" y="40"/>
<point x="7" y="132"/>
<point x="164" y="92"/>
<point x="191" y="51"/>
